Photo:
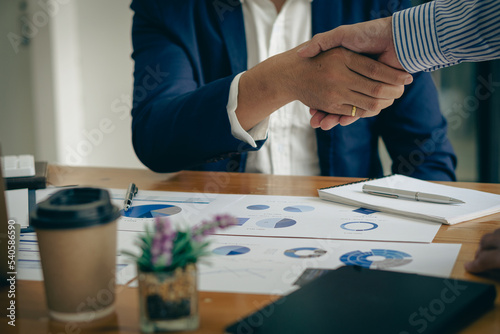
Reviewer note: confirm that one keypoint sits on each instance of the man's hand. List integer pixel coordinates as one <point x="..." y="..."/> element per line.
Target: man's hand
<point x="487" y="259"/>
<point x="338" y="79"/>
<point x="372" y="37"/>
<point x="334" y="82"/>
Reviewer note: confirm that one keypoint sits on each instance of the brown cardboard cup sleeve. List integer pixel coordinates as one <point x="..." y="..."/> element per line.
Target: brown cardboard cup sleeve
<point x="76" y="231"/>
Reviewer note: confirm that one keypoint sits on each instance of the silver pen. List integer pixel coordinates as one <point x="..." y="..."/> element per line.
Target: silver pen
<point x="414" y="195"/>
<point x="131" y="192"/>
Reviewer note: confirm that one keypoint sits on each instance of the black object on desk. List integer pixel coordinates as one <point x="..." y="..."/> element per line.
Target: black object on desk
<point x="359" y="300"/>
<point x="38" y="181"/>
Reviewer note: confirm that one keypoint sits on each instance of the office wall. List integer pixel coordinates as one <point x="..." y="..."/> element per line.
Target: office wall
<point x="16" y="122"/>
<point x="105" y="48"/>
<point x="101" y="52"/>
<point x="66" y="95"/>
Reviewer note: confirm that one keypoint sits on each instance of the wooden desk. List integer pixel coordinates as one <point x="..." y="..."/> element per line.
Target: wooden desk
<point x="220" y="309"/>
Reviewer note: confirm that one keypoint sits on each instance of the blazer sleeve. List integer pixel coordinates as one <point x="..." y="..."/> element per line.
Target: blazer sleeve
<point x="179" y="118"/>
<point x="415" y="133"/>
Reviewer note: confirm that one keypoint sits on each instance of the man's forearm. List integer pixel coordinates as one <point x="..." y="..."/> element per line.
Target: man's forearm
<point x="447" y="32"/>
<point x="260" y="93"/>
<point x="334" y="82"/>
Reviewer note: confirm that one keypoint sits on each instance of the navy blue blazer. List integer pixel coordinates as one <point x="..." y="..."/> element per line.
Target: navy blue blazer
<point x="186" y="54"/>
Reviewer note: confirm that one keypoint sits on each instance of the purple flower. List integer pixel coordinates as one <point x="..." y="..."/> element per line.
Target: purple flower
<point x="165" y="237"/>
<point x="209" y="227"/>
<point x="163" y="241"/>
<point x="226" y="220"/>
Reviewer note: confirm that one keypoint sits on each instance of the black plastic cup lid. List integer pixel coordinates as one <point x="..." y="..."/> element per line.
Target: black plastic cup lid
<point x="74" y="208"/>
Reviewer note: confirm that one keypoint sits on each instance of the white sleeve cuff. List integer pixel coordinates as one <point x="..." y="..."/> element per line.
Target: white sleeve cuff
<point x="258" y="132"/>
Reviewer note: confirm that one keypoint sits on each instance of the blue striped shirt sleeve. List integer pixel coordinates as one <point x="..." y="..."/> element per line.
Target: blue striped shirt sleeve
<point x="443" y="33"/>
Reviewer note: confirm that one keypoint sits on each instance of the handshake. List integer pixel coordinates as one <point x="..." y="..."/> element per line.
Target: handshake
<point x="356" y="70"/>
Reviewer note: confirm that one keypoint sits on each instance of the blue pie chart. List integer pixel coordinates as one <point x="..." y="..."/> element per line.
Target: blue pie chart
<point x="258" y="207"/>
<point x="231" y="250"/>
<point x="276" y="222"/>
<point x="299" y="208"/>
<point x="151" y="211"/>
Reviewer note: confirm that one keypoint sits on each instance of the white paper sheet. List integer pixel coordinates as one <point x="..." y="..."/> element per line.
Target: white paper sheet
<point x="311" y="217"/>
<point x="18" y="206"/>
<point x="267" y="264"/>
<point x="279" y="216"/>
<point x="272" y="265"/>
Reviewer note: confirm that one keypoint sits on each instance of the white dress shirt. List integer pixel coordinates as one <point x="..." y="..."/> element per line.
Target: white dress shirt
<point x="291" y="147"/>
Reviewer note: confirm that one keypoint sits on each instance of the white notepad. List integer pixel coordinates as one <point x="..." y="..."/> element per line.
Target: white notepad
<point x="477" y="203"/>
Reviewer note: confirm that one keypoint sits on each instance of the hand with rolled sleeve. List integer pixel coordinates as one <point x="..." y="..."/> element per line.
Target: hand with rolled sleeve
<point x="333" y="82"/>
<point x="371" y="37"/>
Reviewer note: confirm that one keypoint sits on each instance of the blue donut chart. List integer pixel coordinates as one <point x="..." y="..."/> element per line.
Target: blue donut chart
<point x="359" y="226"/>
<point x="305" y="252"/>
<point x="392" y="258"/>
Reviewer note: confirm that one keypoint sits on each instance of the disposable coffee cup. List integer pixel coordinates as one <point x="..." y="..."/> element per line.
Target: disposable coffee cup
<point x="76" y="231"/>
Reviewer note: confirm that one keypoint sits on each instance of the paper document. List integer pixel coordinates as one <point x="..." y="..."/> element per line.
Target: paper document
<point x="310" y="217"/>
<point x="253" y="259"/>
<point x="267" y="215"/>
<point x="18" y="206"/>
<point x="272" y="265"/>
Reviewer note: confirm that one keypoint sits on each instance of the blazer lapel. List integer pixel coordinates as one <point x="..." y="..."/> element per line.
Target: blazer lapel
<point x="324" y="19"/>
<point x="230" y="18"/>
<point x="325" y="15"/>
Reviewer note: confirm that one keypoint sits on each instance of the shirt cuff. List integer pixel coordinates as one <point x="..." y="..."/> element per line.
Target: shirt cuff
<point x="258" y="132"/>
<point x="416" y="39"/>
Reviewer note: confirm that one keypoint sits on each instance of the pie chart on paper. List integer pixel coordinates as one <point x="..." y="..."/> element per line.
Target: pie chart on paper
<point x="299" y="208"/>
<point x="231" y="250"/>
<point x="151" y="211"/>
<point x="276" y="222"/>
<point x="258" y="207"/>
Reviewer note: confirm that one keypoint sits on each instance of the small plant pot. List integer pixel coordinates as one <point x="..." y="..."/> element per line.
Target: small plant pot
<point x="168" y="301"/>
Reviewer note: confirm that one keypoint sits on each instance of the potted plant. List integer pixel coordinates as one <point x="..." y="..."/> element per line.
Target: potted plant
<point x="167" y="273"/>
